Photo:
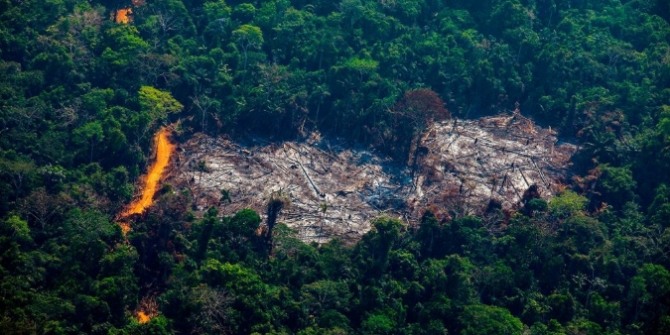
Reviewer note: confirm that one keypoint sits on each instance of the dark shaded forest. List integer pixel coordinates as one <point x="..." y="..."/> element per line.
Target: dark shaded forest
<point x="83" y="88"/>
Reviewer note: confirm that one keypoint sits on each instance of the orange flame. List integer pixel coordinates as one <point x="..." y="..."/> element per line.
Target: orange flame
<point x="147" y="309"/>
<point x="125" y="227"/>
<point x="123" y="15"/>
<point x="143" y="317"/>
<point x="164" y="149"/>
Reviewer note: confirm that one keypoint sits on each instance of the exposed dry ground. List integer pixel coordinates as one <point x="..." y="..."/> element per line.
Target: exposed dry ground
<point x="462" y="167"/>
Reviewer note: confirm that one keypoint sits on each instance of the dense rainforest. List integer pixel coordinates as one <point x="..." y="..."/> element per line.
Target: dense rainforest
<point x="84" y="85"/>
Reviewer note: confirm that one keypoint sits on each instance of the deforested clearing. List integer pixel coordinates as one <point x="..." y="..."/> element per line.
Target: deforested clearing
<point x="462" y="167"/>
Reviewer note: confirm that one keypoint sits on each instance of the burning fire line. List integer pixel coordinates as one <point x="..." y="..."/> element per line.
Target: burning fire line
<point x="164" y="149"/>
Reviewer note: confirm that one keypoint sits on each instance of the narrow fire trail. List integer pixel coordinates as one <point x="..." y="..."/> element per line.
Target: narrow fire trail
<point x="164" y="149"/>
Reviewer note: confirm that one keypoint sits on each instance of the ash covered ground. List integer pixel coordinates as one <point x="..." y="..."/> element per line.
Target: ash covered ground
<point x="461" y="167"/>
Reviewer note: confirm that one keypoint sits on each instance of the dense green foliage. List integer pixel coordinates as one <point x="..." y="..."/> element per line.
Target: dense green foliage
<point x="81" y="96"/>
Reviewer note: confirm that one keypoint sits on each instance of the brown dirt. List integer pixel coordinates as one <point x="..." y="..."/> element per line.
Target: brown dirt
<point x="462" y="167"/>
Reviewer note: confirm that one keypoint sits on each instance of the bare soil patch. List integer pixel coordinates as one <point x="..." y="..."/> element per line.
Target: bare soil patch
<point x="462" y="167"/>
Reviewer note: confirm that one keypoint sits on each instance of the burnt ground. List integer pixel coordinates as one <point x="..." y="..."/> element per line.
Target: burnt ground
<point x="462" y="167"/>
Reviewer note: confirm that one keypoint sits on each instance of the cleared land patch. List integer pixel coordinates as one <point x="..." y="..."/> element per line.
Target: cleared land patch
<point x="461" y="167"/>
